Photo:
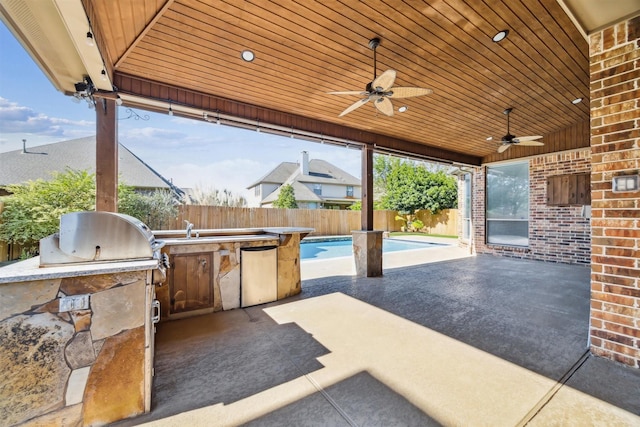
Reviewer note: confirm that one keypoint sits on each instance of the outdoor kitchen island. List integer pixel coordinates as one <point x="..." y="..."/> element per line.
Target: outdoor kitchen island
<point x="222" y="269"/>
<point x="77" y="322"/>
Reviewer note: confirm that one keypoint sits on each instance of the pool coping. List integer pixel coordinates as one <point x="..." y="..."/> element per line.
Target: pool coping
<point x="420" y="240"/>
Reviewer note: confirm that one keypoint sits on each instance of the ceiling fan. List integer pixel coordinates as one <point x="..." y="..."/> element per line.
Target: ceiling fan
<point x="381" y="89"/>
<point x="508" y="140"/>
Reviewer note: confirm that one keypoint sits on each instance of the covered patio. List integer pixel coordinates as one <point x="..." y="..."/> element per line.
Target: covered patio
<point x="502" y="339"/>
<point x="474" y="341"/>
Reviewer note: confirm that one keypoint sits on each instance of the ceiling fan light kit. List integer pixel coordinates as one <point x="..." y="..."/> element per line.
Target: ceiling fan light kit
<point x="381" y="88"/>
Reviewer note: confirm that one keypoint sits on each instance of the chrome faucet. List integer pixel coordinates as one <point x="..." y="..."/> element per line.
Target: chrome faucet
<point x="189" y="228"/>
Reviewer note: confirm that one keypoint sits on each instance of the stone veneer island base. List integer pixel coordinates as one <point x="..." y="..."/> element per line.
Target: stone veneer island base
<point x="205" y="271"/>
<point x="86" y="364"/>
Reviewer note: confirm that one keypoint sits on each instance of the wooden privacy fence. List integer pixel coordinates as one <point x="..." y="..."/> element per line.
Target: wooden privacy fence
<point x="326" y="222"/>
<point x="444" y="222"/>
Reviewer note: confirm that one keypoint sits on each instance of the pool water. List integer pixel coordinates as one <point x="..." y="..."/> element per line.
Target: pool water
<point x="334" y="248"/>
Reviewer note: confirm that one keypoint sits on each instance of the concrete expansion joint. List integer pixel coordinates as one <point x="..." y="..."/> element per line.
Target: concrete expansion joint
<point x="315" y="384"/>
<point x="251" y="318"/>
<point x="331" y="401"/>
<point x="554" y="390"/>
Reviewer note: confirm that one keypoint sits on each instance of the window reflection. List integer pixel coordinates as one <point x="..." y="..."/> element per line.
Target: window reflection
<point x="507" y="210"/>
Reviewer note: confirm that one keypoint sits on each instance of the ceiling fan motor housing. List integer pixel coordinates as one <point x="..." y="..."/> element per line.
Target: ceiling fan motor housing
<point x="509" y="139"/>
<point x="381" y="88"/>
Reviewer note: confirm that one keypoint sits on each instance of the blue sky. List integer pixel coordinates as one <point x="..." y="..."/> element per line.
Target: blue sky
<point x="192" y="153"/>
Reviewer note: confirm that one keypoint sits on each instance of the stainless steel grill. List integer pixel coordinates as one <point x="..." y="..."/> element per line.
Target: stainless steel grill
<point x="98" y="237"/>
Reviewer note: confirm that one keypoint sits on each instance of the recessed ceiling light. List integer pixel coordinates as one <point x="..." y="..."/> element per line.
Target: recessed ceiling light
<point x="501" y="35"/>
<point x="577" y="101"/>
<point x="489" y="138"/>
<point x="403" y="109"/>
<point x="248" y="56"/>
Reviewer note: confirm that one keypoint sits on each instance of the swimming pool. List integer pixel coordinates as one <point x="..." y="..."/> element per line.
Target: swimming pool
<point x="343" y="247"/>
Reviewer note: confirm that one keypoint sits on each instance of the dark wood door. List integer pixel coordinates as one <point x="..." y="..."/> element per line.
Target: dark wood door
<point x="190" y="284"/>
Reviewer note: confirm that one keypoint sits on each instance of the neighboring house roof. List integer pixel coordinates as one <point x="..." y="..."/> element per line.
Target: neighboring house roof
<point x="77" y="154"/>
<point x="320" y="172"/>
<point x="301" y="192"/>
<point x="323" y="172"/>
<point x="278" y="175"/>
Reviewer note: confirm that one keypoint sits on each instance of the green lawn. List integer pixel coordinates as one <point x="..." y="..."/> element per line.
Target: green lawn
<point x="399" y="233"/>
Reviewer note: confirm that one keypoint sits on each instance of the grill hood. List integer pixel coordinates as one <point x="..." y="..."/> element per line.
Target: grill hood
<point x="98" y="236"/>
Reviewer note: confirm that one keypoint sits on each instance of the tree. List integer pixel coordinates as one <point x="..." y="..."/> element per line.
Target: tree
<point x="411" y="187"/>
<point x="383" y="165"/>
<point x="286" y="198"/>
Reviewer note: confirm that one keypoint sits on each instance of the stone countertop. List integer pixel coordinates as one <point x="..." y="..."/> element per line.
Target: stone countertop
<point x="215" y="232"/>
<point x="30" y="269"/>
<point x="203" y="240"/>
<point x="288" y="230"/>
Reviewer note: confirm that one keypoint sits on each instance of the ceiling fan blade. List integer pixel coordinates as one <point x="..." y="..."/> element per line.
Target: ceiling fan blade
<point x="350" y="92"/>
<point x="503" y="148"/>
<point x="531" y="143"/>
<point x="526" y="138"/>
<point x="384" y="105"/>
<point x="409" y="92"/>
<point x="355" y="105"/>
<point x="384" y="81"/>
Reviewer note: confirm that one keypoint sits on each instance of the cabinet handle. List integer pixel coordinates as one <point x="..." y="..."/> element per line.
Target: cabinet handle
<point x="155" y="310"/>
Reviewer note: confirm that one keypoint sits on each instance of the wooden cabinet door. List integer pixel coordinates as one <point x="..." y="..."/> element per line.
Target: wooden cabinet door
<point x="190" y="284"/>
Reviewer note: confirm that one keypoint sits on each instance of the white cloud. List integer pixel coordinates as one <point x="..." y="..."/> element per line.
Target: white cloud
<point x="18" y="122"/>
<point x="150" y="134"/>
<point x="15" y="118"/>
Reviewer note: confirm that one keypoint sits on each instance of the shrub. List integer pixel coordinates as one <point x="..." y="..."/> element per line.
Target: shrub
<point x="33" y="210"/>
<point x="156" y="209"/>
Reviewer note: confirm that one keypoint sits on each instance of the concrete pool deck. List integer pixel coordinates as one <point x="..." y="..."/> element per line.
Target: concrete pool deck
<point x="472" y="341"/>
<point x="345" y="266"/>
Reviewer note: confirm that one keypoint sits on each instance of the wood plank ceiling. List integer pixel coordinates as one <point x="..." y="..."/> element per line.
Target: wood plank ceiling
<point x="304" y="49"/>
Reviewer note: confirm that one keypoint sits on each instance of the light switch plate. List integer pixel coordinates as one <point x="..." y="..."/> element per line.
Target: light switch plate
<point x="74" y="302"/>
<point x="623" y="184"/>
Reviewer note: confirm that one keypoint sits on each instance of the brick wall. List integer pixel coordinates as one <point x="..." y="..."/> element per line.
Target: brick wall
<point x="461" y="207"/>
<point x="615" y="146"/>
<point x="556" y="233"/>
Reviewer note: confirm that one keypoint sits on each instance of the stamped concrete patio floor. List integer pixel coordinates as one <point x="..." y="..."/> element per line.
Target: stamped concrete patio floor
<point x="474" y="341"/>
